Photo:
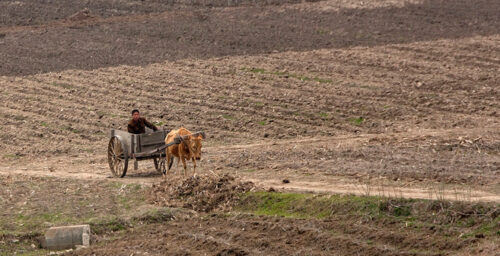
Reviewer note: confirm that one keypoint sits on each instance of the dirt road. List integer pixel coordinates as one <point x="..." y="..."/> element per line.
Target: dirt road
<point x="298" y="162"/>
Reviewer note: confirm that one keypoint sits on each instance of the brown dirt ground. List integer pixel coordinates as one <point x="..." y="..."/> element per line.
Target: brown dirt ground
<point x="243" y="234"/>
<point x="342" y="96"/>
<point x="252" y="235"/>
<point x="128" y="231"/>
<point x="39" y="37"/>
<point x="425" y="119"/>
<point x="343" y="233"/>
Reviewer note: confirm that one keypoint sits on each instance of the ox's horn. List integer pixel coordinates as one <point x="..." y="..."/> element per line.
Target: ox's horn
<point x="200" y="133"/>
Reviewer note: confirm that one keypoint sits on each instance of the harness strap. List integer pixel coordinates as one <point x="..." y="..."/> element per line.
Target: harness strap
<point x="185" y="143"/>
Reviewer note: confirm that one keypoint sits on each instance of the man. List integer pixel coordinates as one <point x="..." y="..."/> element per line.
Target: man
<point x="138" y="124"/>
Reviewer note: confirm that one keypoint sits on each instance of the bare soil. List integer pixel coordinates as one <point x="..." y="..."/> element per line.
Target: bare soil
<point x="124" y="223"/>
<point x="415" y="122"/>
<point x="393" y="98"/>
<point x="40" y="37"/>
<point x="345" y="231"/>
<point x="253" y="235"/>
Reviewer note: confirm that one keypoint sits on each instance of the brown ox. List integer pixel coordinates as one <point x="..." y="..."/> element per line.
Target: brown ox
<point x="188" y="148"/>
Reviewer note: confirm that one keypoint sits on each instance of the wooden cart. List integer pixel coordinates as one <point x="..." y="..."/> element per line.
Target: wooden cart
<point x="124" y="146"/>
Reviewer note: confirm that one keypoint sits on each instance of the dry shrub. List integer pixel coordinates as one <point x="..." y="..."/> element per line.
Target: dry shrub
<point x="203" y="193"/>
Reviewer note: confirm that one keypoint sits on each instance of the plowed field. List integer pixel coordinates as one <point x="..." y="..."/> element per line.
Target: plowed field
<point x="341" y="96"/>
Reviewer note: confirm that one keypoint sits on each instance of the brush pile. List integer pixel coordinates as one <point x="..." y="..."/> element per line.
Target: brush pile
<point x="202" y="193"/>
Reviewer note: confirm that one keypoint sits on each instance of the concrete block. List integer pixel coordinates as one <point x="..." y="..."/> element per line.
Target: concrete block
<point x="60" y="238"/>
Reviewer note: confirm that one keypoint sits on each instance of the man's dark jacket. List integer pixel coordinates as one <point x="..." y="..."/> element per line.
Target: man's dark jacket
<point x="139" y="126"/>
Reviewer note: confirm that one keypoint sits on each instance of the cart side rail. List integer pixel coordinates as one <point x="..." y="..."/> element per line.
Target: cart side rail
<point x="127" y="138"/>
<point x="150" y="141"/>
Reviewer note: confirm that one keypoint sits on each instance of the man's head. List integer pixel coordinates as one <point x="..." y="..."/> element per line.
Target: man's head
<point x="136" y="115"/>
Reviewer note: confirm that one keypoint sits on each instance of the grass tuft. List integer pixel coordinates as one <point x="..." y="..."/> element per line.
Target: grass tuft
<point x="287" y="75"/>
<point x="299" y="205"/>
<point x="158" y="123"/>
<point x="358" y="121"/>
<point x="62" y="85"/>
<point x="12" y="156"/>
<point x="71" y="129"/>
<point x="474" y="218"/>
<point x="258" y="70"/>
<point x="228" y="117"/>
<point x="19" y="118"/>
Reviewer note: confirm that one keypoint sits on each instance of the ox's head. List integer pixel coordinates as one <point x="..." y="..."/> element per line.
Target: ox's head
<point x="194" y="142"/>
<point x="196" y="146"/>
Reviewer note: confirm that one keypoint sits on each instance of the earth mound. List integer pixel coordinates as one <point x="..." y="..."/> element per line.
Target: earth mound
<point x="202" y="193"/>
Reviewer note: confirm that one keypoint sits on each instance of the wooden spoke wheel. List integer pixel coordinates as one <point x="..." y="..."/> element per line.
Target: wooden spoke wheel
<point x="160" y="165"/>
<point x="117" y="157"/>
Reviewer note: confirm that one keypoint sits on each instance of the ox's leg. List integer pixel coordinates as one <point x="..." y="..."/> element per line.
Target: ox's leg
<point x="178" y="168"/>
<point x="181" y="158"/>
<point x="184" y="164"/>
<point x="169" y="160"/>
<point x="194" y="166"/>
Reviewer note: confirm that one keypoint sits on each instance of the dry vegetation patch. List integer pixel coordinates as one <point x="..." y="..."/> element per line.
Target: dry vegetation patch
<point x="203" y="193"/>
<point x="231" y="217"/>
<point x="274" y="223"/>
<point x="30" y="205"/>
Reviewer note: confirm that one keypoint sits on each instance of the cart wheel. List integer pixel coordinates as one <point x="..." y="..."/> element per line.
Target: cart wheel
<point x="117" y="157"/>
<point x="160" y="165"/>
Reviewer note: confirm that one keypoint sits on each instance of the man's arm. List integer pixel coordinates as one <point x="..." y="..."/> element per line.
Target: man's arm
<point x="150" y="125"/>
